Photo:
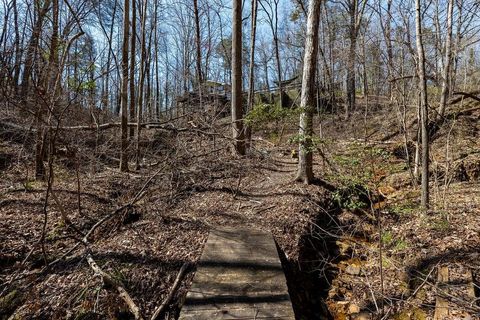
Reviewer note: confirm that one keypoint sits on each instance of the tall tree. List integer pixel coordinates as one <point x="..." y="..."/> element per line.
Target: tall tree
<point x="133" y="41"/>
<point x="251" y="83"/>
<point x="198" y="49"/>
<point x="355" y="9"/>
<point x="272" y="18"/>
<point x="447" y="64"/>
<point x="18" y="51"/>
<point x="307" y="102"/>
<point x="143" y="69"/>
<point x="237" y="111"/>
<point x="41" y="10"/>
<point x="423" y="104"/>
<point x="387" y="34"/>
<point x="27" y="73"/>
<point x="124" y="98"/>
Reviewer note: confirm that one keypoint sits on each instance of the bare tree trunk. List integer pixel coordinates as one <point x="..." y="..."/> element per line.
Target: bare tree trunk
<point x="279" y="72"/>
<point x="265" y="70"/>
<point x="307" y="105"/>
<point x="458" y="40"/>
<point x="272" y="17"/>
<point x="33" y="46"/>
<point x="424" y="106"/>
<point x="388" y="40"/>
<point x="198" y="49"/>
<point x="277" y="56"/>
<point x="365" y="89"/>
<point x="40" y="144"/>
<point x="209" y="43"/>
<point x="124" y="101"/>
<point x="158" y="98"/>
<point x="109" y="55"/>
<point x="53" y="58"/>
<point x="355" y="10"/>
<point x="416" y="170"/>
<point x="251" y="84"/>
<point x="237" y="121"/>
<point x="142" y="84"/>
<point x="447" y="64"/>
<point x="133" y="41"/>
<point x="351" y="60"/>
<point x="18" y="51"/>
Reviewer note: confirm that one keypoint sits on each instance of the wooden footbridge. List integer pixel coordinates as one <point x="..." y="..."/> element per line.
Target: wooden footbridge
<point x="239" y="276"/>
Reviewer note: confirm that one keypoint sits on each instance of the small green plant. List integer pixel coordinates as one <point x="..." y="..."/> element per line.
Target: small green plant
<point x="403" y="209"/>
<point x="352" y="197"/>
<point x="441" y="223"/>
<point x="29" y="185"/>
<point x="401" y="245"/>
<point x="301" y="139"/>
<point x="387" y="238"/>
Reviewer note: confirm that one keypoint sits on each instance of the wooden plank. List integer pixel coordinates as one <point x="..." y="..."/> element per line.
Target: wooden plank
<point x="238" y="313"/>
<point x="441" y="305"/>
<point x="455" y="284"/>
<point x="239" y="276"/>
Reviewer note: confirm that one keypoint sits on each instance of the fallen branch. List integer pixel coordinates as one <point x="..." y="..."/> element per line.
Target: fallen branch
<point x="429" y="77"/>
<point x="153" y="126"/>
<point x="100" y="127"/>
<point x="134" y="309"/>
<point x="471" y="95"/>
<point x="170" y="295"/>
<point x="117" y="211"/>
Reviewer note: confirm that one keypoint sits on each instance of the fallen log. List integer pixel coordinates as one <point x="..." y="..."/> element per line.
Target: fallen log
<point x="101" y="127"/>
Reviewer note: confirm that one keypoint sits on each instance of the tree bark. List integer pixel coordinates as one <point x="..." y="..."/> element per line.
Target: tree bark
<point x="447" y="64"/>
<point x="272" y="17"/>
<point x="198" y="49"/>
<point x="33" y="47"/>
<point x="423" y="106"/>
<point x="351" y="60"/>
<point x="307" y="105"/>
<point x="133" y="41"/>
<point x="109" y="55"/>
<point x="18" y="51"/>
<point x="388" y="40"/>
<point x="142" y="84"/>
<point x="237" y="121"/>
<point x="251" y="84"/>
<point x="124" y="98"/>
<point x="352" y="6"/>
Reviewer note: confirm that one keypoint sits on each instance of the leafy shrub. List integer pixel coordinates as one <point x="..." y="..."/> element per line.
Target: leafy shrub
<point x="352" y="197"/>
<point x="265" y="113"/>
<point x="301" y="138"/>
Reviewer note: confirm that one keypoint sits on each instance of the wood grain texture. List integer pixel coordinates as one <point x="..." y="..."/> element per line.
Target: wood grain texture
<point x="239" y="276"/>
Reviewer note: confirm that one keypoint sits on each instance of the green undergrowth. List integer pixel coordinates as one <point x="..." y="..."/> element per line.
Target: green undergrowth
<point x="357" y="173"/>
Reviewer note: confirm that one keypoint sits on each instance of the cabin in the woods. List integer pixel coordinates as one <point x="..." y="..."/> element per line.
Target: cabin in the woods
<point x="215" y="99"/>
<point x="214" y="87"/>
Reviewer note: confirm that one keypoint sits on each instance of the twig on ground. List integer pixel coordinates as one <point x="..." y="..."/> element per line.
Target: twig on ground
<point x="425" y="280"/>
<point x="114" y="283"/>
<point x="85" y="240"/>
<point x="170" y="295"/>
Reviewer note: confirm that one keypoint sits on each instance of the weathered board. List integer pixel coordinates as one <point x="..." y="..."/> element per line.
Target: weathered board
<point x="441" y="305"/>
<point x="239" y="276"/>
<point x="455" y="293"/>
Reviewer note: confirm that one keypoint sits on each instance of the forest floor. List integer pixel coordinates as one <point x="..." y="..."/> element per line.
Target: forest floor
<point x="329" y="233"/>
